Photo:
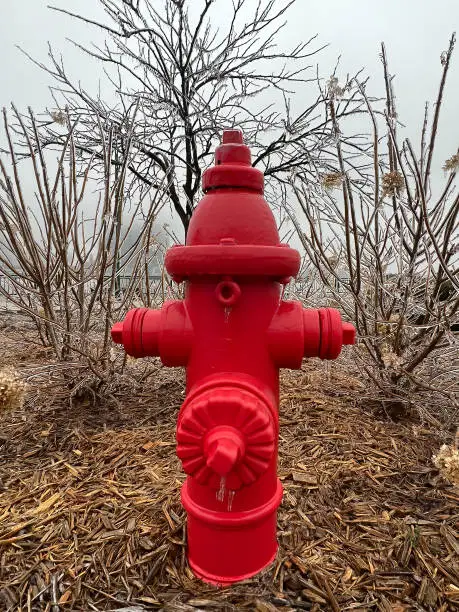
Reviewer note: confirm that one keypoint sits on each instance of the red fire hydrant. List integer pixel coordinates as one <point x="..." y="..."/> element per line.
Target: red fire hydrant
<point x="233" y="332"/>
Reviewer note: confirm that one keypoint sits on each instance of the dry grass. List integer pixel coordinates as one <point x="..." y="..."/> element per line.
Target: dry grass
<point x="90" y="517"/>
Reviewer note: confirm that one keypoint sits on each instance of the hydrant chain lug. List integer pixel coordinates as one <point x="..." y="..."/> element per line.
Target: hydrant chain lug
<point x="228" y="426"/>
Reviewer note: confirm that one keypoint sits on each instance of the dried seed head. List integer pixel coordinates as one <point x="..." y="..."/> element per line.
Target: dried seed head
<point x="334" y="89"/>
<point x="333" y="260"/>
<point x="447" y="461"/>
<point x="12" y="390"/>
<point x="451" y="164"/>
<point x="59" y="116"/>
<point x="386" y="328"/>
<point x="333" y="180"/>
<point x="393" y="183"/>
<point x="390" y="359"/>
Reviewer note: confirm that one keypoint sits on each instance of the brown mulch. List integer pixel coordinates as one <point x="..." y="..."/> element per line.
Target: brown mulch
<point x="90" y="517"/>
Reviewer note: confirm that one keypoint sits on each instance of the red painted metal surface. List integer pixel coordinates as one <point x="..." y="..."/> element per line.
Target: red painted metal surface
<point x="233" y="332"/>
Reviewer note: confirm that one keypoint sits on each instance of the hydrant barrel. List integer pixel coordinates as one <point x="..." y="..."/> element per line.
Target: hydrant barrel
<point x="232" y="332"/>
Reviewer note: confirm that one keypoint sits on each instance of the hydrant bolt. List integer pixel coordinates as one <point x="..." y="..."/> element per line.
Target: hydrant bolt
<point x="233" y="332"/>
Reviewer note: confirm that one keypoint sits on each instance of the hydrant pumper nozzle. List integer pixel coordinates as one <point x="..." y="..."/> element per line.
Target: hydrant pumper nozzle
<point x="232" y="332"/>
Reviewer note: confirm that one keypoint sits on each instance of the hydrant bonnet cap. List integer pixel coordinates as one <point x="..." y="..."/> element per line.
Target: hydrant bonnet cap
<point x="233" y="167"/>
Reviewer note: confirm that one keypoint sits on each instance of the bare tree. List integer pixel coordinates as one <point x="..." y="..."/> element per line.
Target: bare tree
<point x="188" y="81"/>
<point x="64" y="249"/>
<point x="394" y="236"/>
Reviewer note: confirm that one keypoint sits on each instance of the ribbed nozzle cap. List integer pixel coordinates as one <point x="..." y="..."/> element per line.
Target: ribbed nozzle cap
<point x="233" y="165"/>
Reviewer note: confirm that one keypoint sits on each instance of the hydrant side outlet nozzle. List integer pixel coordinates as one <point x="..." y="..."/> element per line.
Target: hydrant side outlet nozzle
<point x="164" y="333"/>
<point x="233" y="332"/>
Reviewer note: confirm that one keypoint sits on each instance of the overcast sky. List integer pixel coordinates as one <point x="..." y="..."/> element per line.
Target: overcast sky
<point x="415" y="33"/>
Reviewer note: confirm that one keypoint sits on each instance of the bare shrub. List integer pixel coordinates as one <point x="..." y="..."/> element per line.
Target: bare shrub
<point x="65" y="248"/>
<point x="191" y="79"/>
<point x="386" y="247"/>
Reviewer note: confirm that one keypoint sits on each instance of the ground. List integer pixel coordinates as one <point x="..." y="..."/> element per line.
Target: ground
<point x="90" y="517"/>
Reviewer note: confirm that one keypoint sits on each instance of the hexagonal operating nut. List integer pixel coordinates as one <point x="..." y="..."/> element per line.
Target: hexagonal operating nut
<point x="117" y="333"/>
<point x="223" y="447"/>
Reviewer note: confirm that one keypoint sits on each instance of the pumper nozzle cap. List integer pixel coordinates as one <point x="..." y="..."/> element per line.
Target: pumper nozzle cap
<point x="224" y="453"/>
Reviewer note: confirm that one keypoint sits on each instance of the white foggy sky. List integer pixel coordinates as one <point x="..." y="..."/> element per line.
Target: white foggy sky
<point x="415" y="33"/>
